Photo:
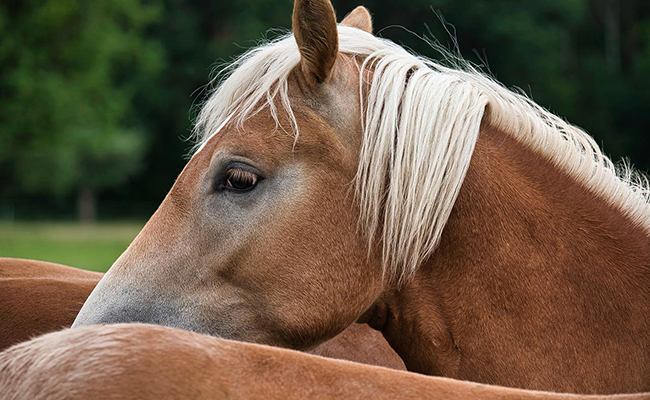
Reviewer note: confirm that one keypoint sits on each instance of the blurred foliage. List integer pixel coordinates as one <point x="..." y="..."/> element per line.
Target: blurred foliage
<point x="69" y="73"/>
<point x="101" y="93"/>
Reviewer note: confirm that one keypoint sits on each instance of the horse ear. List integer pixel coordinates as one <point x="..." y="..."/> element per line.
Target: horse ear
<point x="314" y="27"/>
<point x="359" y="18"/>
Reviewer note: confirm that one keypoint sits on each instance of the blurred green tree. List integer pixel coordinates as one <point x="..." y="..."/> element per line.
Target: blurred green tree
<point x="83" y="84"/>
<point x="66" y="75"/>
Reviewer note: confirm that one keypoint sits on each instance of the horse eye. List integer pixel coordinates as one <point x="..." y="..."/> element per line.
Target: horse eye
<point x="239" y="180"/>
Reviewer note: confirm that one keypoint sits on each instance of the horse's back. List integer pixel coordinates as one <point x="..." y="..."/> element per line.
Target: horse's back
<point x="155" y="362"/>
<point x="20" y="268"/>
<point x="38" y="297"/>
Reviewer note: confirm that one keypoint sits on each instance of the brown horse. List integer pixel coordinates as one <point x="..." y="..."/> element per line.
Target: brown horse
<point x="149" y="362"/>
<point x="338" y="177"/>
<point x="39" y="297"/>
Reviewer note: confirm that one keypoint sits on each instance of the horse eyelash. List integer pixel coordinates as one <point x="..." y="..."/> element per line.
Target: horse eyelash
<point x="241" y="175"/>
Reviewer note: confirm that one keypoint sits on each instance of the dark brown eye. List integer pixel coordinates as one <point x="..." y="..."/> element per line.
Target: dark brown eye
<point x="240" y="180"/>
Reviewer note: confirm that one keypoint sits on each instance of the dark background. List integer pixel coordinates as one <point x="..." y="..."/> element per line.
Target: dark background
<point x="97" y="96"/>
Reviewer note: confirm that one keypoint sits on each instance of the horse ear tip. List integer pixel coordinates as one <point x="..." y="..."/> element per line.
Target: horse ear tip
<point x="315" y="32"/>
<point x="361" y="11"/>
<point x="359" y="18"/>
<point x="309" y="13"/>
<point x="323" y="6"/>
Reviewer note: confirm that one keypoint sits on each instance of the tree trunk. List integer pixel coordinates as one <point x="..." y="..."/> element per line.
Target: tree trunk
<point x="86" y="205"/>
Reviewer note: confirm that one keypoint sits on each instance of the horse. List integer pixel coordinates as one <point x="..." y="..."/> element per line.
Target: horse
<point x="38" y="297"/>
<point x="338" y="177"/>
<point x="152" y="362"/>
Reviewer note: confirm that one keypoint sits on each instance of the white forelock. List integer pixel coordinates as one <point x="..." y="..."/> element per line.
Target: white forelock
<point x="421" y="121"/>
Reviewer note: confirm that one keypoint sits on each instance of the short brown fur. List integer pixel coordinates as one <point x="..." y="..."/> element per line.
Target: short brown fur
<point x="155" y="363"/>
<point x="38" y="297"/>
<point x="556" y="282"/>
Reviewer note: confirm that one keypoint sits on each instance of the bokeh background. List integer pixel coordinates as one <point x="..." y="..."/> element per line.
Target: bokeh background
<point x="97" y="97"/>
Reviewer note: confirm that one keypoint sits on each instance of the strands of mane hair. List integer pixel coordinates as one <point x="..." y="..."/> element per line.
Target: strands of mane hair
<point x="423" y="146"/>
<point x="421" y="121"/>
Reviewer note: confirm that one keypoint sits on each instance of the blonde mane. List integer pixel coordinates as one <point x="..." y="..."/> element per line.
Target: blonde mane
<point x="421" y="121"/>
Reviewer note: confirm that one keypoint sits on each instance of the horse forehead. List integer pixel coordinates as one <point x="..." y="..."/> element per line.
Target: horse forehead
<point x="262" y="146"/>
<point x="269" y="141"/>
<point x="262" y="140"/>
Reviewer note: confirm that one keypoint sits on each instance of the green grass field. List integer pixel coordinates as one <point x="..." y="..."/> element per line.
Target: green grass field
<point x="93" y="247"/>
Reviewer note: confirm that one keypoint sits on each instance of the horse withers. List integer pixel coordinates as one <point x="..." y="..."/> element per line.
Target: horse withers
<point x="338" y="177"/>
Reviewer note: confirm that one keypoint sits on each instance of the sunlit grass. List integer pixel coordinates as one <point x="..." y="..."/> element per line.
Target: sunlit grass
<point x="93" y="247"/>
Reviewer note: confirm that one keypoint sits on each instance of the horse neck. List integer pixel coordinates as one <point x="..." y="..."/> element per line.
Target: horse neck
<point x="531" y="265"/>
